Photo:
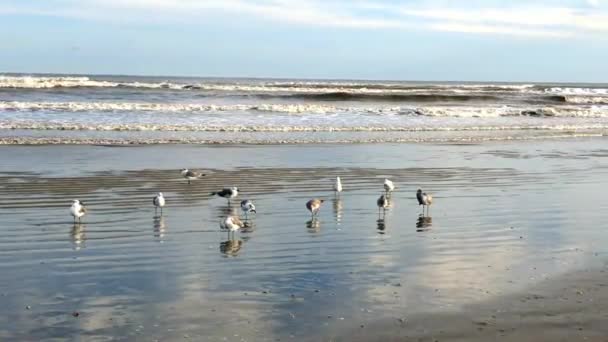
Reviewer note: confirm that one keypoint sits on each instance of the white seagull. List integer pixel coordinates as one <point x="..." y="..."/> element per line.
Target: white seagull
<point x="247" y="207"/>
<point x="232" y="223"/>
<point x="159" y="202"/>
<point x="191" y="175"/>
<point x="227" y="193"/>
<point x="338" y="185"/>
<point x="77" y="210"/>
<point x="388" y="186"/>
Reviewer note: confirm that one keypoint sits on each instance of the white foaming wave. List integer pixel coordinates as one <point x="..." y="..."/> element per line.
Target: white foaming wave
<point x="176" y="107"/>
<point x="39" y="82"/>
<point x="587" y="99"/>
<point x="303" y="109"/>
<point x="34" y="125"/>
<point x="493" y="112"/>
<point x="577" y="91"/>
<point x="46" y="82"/>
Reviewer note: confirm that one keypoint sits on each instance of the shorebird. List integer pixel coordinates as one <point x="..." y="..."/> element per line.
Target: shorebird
<point x="227" y="193"/>
<point x="424" y="199"/>
<point x="232" y="223"/>
<point x="382" y="203"/>
<point x="338" y="186"/>
<point x="314" y="205"/>
<point x="159" y="202"/>
<point x="77" y="210"/>
<point x="388" y="186"/>
<point x="247" y="207"/>
<point x="190" y="175"/>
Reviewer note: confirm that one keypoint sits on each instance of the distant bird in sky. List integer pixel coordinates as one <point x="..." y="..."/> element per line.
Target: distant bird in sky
<point x="424" y="199"/>
<point x="77" y="210"/>
<point x="388" y="186"/>
<point x="314" y="205"/>
<point x="227" y="193"/>
<point x="159" y="202"/>
<point x="338" y="186"/>
<point x="247" y="207"/>
<point x="190" y="175"/>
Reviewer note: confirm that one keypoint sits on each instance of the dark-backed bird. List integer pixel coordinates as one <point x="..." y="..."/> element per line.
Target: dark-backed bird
<point x="190" y="175"/>
<point x="424" y="199"/>
<point x="382" y="203"/>
<point x="227" y="193"/>
<point x="314" y="205"/>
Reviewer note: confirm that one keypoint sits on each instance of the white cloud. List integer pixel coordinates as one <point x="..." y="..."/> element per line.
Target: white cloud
<point x="527" y="20"/>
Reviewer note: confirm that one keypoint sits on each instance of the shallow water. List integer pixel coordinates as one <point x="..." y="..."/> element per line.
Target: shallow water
<point x="505" y="216"/>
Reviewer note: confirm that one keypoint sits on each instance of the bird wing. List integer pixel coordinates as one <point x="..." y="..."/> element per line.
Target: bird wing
<point x="238" y="222"/>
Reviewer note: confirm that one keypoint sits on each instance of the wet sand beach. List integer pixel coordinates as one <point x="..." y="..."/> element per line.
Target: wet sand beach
<point x="514" y="246"/>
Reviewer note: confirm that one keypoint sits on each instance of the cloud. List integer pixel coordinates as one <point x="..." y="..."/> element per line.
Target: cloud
<point x="519" y="18"/>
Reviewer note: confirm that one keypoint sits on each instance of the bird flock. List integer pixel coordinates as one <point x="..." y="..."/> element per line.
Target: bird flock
<point x="233" y="223"/>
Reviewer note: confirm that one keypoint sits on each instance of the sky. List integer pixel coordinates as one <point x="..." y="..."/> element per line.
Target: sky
<point x="466" y="40"/>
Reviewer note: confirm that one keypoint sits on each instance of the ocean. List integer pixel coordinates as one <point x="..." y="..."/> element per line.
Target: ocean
<point x="134" y="109"/>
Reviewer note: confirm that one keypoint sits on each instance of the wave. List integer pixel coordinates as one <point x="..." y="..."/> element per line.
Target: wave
<point x="304" y="108"/>
<point x="46" y="126"/>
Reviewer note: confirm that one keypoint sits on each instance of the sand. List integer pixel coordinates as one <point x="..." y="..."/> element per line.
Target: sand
<point x="514" y="246"/>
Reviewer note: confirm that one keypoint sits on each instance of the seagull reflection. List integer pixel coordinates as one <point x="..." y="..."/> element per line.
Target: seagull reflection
<point x="78" y="236"/>
<point x="424" y="223"/>
<point x="313" y="225"/>
<point x="381" y="226"/>
<point x="159" y="227"/>
<point x="338" y="209"/>
<point x="231" y="247"/>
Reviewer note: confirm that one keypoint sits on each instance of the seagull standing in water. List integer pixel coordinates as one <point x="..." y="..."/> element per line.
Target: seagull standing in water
<point x="382" y="203"/>
<point x="424" y="199"/>
<point x="247" y="207"/>
<point x="232" y="223"/>
<point x="227" y="193"/>
<point x="314" y="205"/>
<point x="338" y="186"/>
<point x="388" y="186"/>
<point x="77" y="210"/>
<point x="159" y="202"/>
<point x="190" y="175"/>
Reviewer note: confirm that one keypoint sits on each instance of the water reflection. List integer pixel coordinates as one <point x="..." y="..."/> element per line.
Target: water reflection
<point x="231" y="247"/>
<point x="314" y="225"/>
<point x="424" y="223"/>
<point x="381" y="226"/>
<point x="227" y="210"/>
<point x="337" y="205"/>
<point x="159" y="228"/>
<point x="78" y="236"/>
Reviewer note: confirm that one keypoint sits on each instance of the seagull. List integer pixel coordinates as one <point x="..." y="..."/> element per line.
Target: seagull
<point x="159" y="202"/>
<point x="314" y="205"/>
<point x="190" y="175"/>
<point x="388" y="186"/>
<point x="232" y="223"/>
<point x="77" y="210"/>
<point x="227" y="193"/>
<point x="247" y="207"/>
<point x="382" y="203"/>
<point x="424" y="199"/>
<point x="338" y="186"/>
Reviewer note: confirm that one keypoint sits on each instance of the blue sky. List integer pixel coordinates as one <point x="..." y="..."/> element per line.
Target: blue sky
<point x="493" y="40"/>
